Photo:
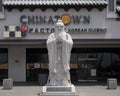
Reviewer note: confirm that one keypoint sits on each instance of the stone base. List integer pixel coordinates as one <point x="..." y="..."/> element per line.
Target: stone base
<point x="7" y="84"/>
<point x="112" y="83"/>
<point x="58" y="91"/>
<point x="58" y="95"/>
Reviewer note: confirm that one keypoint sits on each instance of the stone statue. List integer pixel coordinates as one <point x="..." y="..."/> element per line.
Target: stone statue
<point x="59" y="45"/>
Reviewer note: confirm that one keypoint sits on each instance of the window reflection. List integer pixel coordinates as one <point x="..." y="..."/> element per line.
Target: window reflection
<point x="73" y="61"/>
<point x="44" y="61"/>
<point x="3" y="63"/>
<point x="85" y="63"/>
<point x="1" y="6"/>
<point x="109" y="63"/>
<point x="37" y="62"/>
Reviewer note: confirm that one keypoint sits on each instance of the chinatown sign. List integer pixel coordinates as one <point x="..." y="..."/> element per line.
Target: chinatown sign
<point x="66" y="18"/>
<point x="32" y="21"/>
<point x="36" y="24"/>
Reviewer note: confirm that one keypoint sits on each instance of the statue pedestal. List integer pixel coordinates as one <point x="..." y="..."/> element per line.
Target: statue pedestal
<point x="58" y="91"/>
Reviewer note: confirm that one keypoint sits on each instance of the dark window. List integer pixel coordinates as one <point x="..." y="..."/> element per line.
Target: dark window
<point x="0" y="5"/>
<point x="118" y="2"/>
<point x="3" y="63"/>
<point x="36" y="62"/>
<point x="111" y="5"/>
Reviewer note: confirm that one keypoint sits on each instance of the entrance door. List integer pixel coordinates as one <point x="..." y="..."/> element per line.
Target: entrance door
<point x="87" y="63"/>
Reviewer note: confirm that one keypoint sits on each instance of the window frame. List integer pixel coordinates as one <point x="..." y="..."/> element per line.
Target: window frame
<point x="112" y="14"/>
<point x="2" y="15"/>
<point x="113" y="6"/>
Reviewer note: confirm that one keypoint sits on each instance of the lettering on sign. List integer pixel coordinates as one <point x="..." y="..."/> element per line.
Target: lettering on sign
<point x="38" y="20"/>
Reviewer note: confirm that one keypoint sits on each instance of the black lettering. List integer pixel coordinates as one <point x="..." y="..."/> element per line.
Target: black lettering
<point x="85" y="30"/>
<point x="42" y="30"/>
<point x="76" y="19"/>
<point x="79" y="30"/>
<point x="47" y="30"/>
<point x="75" y="29"/>
<point x="101" y="30"/>
<point x="50" y="21"/>
<point x="105" y="30"/>
<point x="31" y="20"/>
<point x="23" y="19"/>
<point x="37" y="20"/>
<point x="90" y="30"/>
<point x="52" y="30"/>
<point x="82" y="30"/>
<point x="86" y="19"/>
<point x="17" y="28"/>
<point x="57" y="17"/>
<point x="36" y="30"/>
<point x="42" y="19"/>
<point x="70" y="30"/>
<point x="97" y="30"/>
<point x="6" y="28"/>
<point x="30" y="30"/>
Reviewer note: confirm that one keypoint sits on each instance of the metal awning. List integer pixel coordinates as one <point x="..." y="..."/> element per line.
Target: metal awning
<point x="53" y="2"/>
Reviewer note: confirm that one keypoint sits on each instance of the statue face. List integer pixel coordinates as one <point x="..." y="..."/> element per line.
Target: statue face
<point x="60" y="28"/>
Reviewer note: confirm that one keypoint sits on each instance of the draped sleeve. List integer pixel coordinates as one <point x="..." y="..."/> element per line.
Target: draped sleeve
<point x="51" y="46"/>
<point x="66" y="51"/>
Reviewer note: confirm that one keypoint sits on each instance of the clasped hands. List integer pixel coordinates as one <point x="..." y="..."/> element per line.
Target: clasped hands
<point x="59" y="39"/>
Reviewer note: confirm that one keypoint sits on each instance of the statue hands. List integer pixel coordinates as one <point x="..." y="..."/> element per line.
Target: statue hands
<point x="59" y="39"/>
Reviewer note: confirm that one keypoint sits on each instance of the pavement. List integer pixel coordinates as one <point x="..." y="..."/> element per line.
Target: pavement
<point x="83" y="89"/>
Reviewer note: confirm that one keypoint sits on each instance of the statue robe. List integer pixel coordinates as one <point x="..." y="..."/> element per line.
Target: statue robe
<point x="66" y="51"/>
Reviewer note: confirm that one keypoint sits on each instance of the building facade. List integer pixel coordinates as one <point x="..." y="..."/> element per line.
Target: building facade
<point x="93" y="24"/>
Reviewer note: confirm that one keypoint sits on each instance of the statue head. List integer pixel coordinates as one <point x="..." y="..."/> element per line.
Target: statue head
<point x="60" y="26"/>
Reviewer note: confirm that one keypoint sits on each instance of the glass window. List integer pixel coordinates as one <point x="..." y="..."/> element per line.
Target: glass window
<point x="106" y="60"/>
<point x="44" y="60"/>
<point x="0" y="5"/>
<point x="1" y="11"/>
<point x="36" y="63"/>
<point x="111" y="5"/>
<point x="73" y="61"/>
<point x="118" y="2"/>
<point x="115" y="64"/>
<point x="3" y="63"/>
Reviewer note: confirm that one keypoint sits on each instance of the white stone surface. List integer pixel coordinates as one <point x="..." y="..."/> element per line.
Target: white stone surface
<point x="59" y="45"/>
<point x="67" y="89"/>
<point x="87" y="90"/>
<point x="112" y="83"/>
<point x="7" y="84"/>
<point x="58" y="91"/>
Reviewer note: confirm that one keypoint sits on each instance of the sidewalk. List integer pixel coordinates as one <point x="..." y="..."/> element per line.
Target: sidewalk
<point x="82" y="90"/>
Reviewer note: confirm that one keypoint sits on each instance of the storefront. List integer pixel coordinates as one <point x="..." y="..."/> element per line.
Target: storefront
<point x="24" y="30"/>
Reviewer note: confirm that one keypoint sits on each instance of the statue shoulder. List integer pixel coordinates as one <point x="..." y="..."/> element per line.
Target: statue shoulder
<point x="68" y="36"/>
<point x="52" y="34"/>
<point x="50" y="37"/>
